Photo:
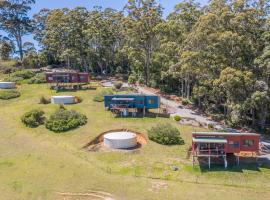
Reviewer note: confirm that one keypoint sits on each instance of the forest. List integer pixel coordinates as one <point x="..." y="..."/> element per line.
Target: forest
<point x="215" y="56"/>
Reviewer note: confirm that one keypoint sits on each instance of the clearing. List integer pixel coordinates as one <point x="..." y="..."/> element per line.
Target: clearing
<point x="38" y="164"/>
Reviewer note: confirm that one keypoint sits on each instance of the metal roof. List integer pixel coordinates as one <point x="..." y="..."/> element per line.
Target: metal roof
<point x="122" y="99"/>
<point x="225" y="133"/>
<point x="131" y="94"/>
<point x="209" y="140"/>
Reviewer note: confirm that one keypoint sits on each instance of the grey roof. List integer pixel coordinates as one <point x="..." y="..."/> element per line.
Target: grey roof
<point x="209" y="140"/>
<point x="225" y="133"/>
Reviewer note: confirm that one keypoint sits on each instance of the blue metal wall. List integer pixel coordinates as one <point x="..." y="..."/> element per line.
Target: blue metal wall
<point x="140" y="101"/>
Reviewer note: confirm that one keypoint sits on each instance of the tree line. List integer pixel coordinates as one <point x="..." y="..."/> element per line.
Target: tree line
<point x="216" y="56"/>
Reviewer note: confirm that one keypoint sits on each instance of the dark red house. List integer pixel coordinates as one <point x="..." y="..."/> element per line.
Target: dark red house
<point x="67" y="77"/>
<point x="218" y="144"/>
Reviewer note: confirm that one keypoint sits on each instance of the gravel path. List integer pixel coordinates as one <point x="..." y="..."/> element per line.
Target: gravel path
<point x="177" y="109"/>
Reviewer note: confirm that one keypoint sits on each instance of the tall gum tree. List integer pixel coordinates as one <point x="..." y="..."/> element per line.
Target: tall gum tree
<point x="14" y="20"/>
<point x="143" y="16"/>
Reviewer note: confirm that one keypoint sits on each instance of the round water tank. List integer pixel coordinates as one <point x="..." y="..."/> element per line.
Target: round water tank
<point x="120" y="140"/>
<point x="7" y="85"/>
<point x="62" y="99"/>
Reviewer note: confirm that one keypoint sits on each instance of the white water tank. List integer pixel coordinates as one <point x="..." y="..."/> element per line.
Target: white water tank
<point x="7" y="85"/>
<point x="62" y="99"/>
<point x="120" y="140"/>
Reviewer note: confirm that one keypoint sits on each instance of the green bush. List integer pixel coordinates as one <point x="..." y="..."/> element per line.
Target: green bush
<point x="118" y="85"/>
<point x="44" y="100"/>
<point x="165" y="134"/>
<point x="25" y="74"/>
<point x="177" y="118"/>
<point x="132" y="79"/>
<point x="9" y="94"/>
<point x="211" y="126"/>
<point x="33" y="118"/>
<point x="185" y="102"/>
<point x="37" y="79"/>
<point x="99" y="97"/>
<point x="64" y="120"/>
<point x="21" y="75"/>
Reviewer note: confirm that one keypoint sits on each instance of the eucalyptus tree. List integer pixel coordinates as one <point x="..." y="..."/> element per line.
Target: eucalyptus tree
<point x="104" y="35"/>
<point x="143" y="17"/>
<point x="14" y="20"/>
<point x="6" y="48"/>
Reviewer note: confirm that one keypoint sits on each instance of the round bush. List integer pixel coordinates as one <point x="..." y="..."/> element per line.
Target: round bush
<point x="185" y="102"/>
<point x="177" y="118"/>
<point x="44" y="100"/>
<point x="118" y="85"/>
<point x="210" y="126"/>
<point x="165" y="134"/>
<point x="33" y="118"/>
<point x="9" y="94"/>
<point x="64" y="120"/>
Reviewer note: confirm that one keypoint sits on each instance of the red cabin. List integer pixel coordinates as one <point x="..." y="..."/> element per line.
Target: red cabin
<point x="218" y="144"/>
<point x="67" y="77"/>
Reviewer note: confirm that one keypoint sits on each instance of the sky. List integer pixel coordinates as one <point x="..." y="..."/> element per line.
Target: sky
<point x="168" y="6"/>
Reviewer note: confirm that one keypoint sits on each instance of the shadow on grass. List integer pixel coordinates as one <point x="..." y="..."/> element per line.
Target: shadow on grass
<point x="246" y="164"/>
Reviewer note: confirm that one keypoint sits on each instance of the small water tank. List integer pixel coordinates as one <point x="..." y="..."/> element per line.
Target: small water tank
<point x="7" y="85"/>
<point x="62" y="99"/>
<point x="120" y="140"/>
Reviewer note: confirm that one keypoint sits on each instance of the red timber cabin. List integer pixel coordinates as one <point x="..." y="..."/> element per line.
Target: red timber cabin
<point x="219" y="144"/>
<point x="67" y="77"/>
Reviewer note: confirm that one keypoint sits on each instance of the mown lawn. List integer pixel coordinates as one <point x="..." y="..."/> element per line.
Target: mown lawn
<point x="39" y="164"/>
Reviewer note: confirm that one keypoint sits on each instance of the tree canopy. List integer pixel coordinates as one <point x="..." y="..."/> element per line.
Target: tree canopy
<point x="216" y="56"/>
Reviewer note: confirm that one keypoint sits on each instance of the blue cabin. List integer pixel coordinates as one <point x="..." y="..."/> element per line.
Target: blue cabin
<point x="131" y="103"/>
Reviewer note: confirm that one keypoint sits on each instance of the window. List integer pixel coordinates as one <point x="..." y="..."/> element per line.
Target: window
<point x="248" y="143"/>
<point x="50" y="78"/>
<point x="151" y="101"/>
<point x="234" y="144"/>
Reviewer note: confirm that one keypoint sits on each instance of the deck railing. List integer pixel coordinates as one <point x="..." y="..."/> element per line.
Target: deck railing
<point x="211" y="152"/>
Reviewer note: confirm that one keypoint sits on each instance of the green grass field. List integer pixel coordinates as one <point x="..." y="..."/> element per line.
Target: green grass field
<point x="38" y="164"/>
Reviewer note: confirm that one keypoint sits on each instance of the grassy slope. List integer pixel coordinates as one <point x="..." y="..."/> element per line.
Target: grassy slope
<point x="36" y="163"/>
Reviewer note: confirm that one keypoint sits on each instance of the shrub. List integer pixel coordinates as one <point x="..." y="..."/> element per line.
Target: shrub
<point x="99" y="97"/>
<point x="9" y="94"/>
<point x="185" y="102"/>
<point x="78" y="99"/>
<point x="210" y="126"/>
<point x="25" y="74"/>
<point x="64" y="120"/>
<point x="177" y="118"/>
<point x="165" y="134"/>
<point x="37" y="79"/>
<point x="44" y="100"/>
<point x="118" y="85"/>
<point x="33" y="118"/>
<point x="132" y="79"/>
<point x="21" y="75"/>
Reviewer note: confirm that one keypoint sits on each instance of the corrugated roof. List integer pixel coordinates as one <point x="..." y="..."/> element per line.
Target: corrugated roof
<point x="122" y="99"/>
<point x="209" y="140"/>
<point x="225" y="133"/>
